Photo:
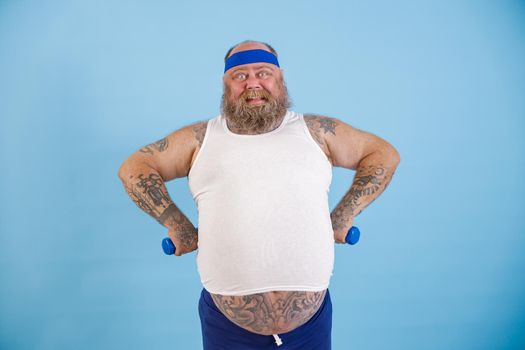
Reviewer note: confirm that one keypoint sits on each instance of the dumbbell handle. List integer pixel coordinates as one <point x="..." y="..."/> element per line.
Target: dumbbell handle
<point x="352" y="237"/>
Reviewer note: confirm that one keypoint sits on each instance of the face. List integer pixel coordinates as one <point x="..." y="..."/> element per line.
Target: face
<point x="255" y="96"/>
<point x="252" y="79"/>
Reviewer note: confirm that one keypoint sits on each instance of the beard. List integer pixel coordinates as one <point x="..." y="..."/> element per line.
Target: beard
<point x="255" y="119"/>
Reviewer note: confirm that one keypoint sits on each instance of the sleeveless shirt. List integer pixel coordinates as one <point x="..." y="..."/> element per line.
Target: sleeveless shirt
<point x="263" y="213"/>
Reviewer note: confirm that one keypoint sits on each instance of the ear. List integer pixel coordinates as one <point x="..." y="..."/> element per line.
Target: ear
<point x="282" y="73"/>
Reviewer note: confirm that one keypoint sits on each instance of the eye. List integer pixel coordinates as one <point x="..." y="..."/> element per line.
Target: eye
<point x="239" y="76"/>
<point x="263" y="74"/>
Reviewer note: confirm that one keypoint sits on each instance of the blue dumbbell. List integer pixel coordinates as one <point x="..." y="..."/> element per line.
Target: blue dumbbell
<point x="352" y="238"/>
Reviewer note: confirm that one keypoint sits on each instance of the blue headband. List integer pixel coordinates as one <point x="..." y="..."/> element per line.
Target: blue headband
<point x="250" y="56"/>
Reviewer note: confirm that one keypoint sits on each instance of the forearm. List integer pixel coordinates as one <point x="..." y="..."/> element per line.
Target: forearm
<point x="147" y="189"/>
<point x="373" y="174"/>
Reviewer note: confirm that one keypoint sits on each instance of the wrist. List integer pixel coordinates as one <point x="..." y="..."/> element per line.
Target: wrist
<point x="341" y="224"/>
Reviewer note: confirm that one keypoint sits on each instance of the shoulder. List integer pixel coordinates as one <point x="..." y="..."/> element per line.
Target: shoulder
<point x="197" y="131"/>
<point x="195" y="134"/>
<point x="322" y="129"/>
<point x="173" y="155"/>
<point x="320" y="125"/>
<point x="191" y="134"/>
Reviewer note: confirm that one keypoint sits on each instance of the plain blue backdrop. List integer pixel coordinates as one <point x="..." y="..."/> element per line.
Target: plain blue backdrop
<point x="83" y="84"/>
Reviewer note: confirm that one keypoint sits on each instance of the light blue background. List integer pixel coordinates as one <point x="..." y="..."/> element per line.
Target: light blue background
<point x="441" y="262"/>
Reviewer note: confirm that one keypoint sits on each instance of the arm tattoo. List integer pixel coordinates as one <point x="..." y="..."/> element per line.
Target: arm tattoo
<point x="320" y="125"/>
<point x="159" y="146"/>
<point x="369" y="182"/>
<point x="262" y="314"/>
<point x="150" y="195"/>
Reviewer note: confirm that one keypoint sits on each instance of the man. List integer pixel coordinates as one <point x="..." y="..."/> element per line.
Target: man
<point x="260" y="176"/>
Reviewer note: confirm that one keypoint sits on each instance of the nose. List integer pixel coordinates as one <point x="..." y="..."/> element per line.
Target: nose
<point x="252" y="82"/>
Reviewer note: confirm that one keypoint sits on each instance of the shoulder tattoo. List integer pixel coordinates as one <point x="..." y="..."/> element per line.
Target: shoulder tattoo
<point x="199" y="131"/>
<point x="320" y="126"/>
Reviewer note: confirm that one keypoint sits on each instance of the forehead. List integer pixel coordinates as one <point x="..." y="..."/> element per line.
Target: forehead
<point x="249" y="46"/>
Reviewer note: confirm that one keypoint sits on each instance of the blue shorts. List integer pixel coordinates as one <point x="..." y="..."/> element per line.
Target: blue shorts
<point x="219" y="333"/>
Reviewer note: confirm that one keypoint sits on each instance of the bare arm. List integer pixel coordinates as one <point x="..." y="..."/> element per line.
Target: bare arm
<point x="373" y="159"/>
<point x="144" y="175"/>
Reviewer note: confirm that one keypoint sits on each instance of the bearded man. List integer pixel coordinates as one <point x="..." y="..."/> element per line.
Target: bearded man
<point x="260" y="176"/>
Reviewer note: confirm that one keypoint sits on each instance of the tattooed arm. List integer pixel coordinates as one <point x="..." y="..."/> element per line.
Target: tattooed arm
<point x="373" y="159"/>
<point x="144" y="173"/>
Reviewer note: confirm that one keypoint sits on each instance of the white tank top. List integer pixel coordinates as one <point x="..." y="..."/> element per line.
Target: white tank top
<point x="264" y="220"/>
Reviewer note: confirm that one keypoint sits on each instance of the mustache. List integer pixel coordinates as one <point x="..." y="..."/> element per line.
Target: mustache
<point x="256" y="94"/>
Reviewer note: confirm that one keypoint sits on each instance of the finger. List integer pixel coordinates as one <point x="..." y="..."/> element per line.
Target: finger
<point x="179" y="249"/>
<point x="340" y="237"/>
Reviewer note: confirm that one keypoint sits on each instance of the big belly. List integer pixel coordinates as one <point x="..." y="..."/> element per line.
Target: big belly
<point x="269" y="313"/>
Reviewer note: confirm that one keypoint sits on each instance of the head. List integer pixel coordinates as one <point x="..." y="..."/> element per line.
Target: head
<point x="255" y="97"/>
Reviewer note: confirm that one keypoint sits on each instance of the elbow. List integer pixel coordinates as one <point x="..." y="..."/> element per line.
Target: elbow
<point x="134" y="165"/>
<point x="391" y="156"/>
<point x="125" y="169"/>
<point x="122" y="171"/>
<point x="396" y="157"/>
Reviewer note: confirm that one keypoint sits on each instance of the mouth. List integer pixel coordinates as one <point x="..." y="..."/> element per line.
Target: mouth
<point x="255" y="101"/>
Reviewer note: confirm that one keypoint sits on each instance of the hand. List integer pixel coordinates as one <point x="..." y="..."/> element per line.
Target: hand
<point x="340" y="234"/>
<point x="185" y="240"/>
